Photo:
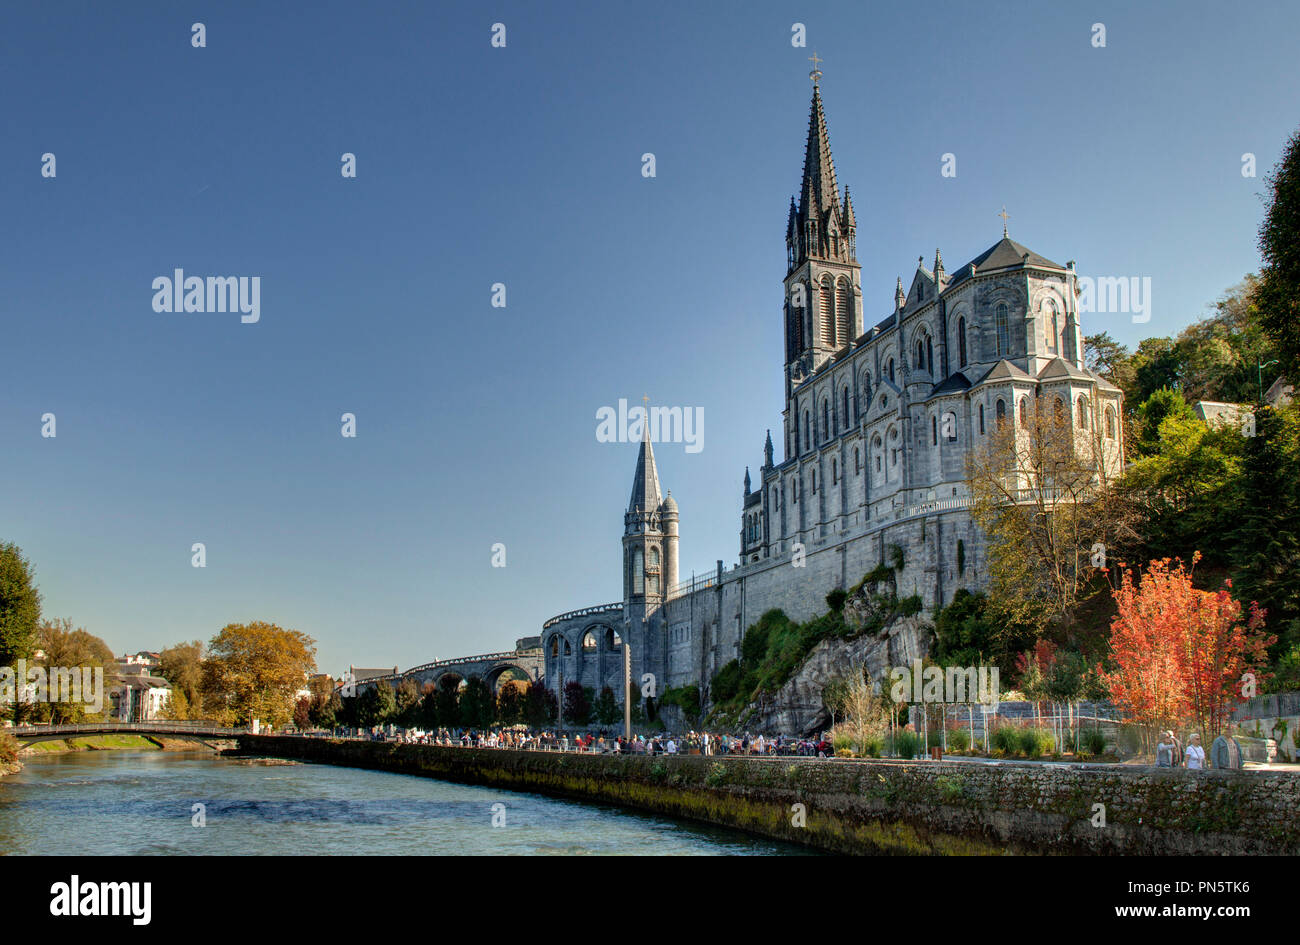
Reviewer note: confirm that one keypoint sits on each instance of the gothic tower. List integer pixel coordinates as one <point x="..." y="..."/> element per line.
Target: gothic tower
<point x="649" y="561"/>
<point x="823" y="282"/>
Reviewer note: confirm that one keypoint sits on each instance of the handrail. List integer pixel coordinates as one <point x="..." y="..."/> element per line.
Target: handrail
<point x="584" y="612"/>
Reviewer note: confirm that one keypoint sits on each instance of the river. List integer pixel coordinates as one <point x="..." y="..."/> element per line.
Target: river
<point x="142" y="803"/>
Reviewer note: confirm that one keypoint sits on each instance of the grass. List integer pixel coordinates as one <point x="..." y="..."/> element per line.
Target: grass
<point x="95" y="743"/>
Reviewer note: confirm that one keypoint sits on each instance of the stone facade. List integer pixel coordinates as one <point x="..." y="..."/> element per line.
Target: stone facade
<point x="877" y="429"/>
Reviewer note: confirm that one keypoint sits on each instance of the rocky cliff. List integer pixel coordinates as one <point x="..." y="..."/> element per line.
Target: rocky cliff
<point x="884" y="639"/>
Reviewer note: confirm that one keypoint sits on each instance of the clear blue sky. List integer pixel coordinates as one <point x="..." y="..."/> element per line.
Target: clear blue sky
<point x="522" y="165"/>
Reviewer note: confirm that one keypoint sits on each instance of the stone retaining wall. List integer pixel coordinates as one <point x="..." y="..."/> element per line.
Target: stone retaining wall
<point x="881" y="806"/>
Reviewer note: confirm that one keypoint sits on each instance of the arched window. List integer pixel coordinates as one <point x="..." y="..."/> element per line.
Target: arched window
<point x="1001" y="411"/>
<point x="1051" y="325"/>
<point x="826" y="419"/>
<point x="589" y="643"/>
<point x="981" y="419"/>
<point x="814" y="474"/>
<point x="826" y="302"/>
<point x="654" y="557"/>
<point x="857" y="462"/>
<point x="1024" y="411"/>
<point x="866" y="391"/>
<point x="835" y="473"/>
<point x="638" y="572"/>
<point x="805" y="429"/>
<point x="1083" y="412"/>
<point x="846" y="408"/>
<point x="891" y="370"/>
<point x="1110" y="423"/>
<point x="934" y="431"/>
<point x="1002" y="321"/>
<point x="920" y="354"/>
<point x="950" y="426"/>
<point x="961" y="341"/>
<point x="1058" y="409"/>
<point x="929" y="355"/>
<point x="842" y="312"/>
<point x="555" y="647"/>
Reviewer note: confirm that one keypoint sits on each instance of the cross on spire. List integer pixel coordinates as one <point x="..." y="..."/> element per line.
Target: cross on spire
<point x="1004" y="216"/>
<point x="816" y="73"/>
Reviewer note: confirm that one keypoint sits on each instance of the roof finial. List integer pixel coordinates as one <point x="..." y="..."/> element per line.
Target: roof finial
<point x="1004" y="216"/>
<point x="816" y="74"/>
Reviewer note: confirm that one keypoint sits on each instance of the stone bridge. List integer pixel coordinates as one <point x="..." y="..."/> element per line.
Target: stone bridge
<point x="492" y="668"/>
<point x="205" y="733"/>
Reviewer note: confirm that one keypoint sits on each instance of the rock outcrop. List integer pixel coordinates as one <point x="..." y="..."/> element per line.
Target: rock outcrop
<point x="797" y="708"/>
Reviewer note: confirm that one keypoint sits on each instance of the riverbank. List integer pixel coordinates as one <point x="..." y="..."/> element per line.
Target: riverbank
<point x="856" y="807"/>
<point x="111" y="743"/>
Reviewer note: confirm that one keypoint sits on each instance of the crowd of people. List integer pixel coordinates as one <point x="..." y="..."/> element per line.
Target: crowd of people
<point x="693" y="743"/>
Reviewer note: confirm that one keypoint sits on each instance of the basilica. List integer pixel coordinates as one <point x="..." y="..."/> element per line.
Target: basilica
<point x="878" y="424"/>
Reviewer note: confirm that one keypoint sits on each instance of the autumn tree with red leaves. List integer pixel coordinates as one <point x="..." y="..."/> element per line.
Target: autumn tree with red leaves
<point x="1179" y="653"/>
<point x="1217" y="652"/>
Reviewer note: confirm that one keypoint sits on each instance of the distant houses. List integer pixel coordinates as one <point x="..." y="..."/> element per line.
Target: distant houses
<point x="135" y="693"/>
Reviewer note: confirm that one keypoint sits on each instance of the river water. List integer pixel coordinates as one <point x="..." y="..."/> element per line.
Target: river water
<point x="142" y="802"/>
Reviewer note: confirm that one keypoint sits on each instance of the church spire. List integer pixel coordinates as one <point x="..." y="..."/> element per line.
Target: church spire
<point x="645" y="484"/>
<point x="900" y="297"/>
<point x="820" y="188"/>
<point x="822" y="224"/>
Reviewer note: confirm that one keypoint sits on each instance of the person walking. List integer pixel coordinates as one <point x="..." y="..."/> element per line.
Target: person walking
<point x="1165" y="751"/>
<point x="1194" y="757"/>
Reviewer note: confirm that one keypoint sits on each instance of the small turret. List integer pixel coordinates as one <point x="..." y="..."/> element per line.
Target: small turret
<point x="767" y="451"/>
<point x="748" y="488"/>
<point x="900" y="296"/>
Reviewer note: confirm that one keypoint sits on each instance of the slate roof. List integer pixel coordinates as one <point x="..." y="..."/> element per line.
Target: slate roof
<point x="1004" y="254"/>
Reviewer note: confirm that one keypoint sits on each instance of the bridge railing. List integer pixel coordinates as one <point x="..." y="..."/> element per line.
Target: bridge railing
<point x="198" y="728"/>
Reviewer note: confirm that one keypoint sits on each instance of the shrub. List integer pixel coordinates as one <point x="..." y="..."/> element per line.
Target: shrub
<point x="934" y="738"/>
<point x="717" y="775"/>
<point x="726" y="683"/>
<point x="907" y="744"/>
<point x="873" y="746"/>
<point x="841" y="740"/>
<point x="1005" y="739"/>
<point x="910" y="606"/>
<point x="9" y="748"/>
<point x="958" y="739"/>
<point x="1036" y="741"/>
<point x="836" y="598"/>
<point x="843" y="753"/>
<point x="1094" y="741"/>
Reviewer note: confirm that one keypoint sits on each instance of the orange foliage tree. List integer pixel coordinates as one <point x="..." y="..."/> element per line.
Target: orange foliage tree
<point x="1179" y="653"/>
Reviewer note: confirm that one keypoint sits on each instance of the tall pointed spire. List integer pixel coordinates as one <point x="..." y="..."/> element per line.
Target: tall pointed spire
<point x="900" y="297"/>
<point x="938" y="267"/>
<point x="820" y="188"/>
<point x="645" y="484"/>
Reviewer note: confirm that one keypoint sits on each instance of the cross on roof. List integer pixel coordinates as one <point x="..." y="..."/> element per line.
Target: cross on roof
<point x="1004" y="216"/>
<point x="816" y="73"/>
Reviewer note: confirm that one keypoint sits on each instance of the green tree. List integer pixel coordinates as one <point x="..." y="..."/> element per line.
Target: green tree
<point x="607" y="710"/>
<point x="1278" y="297"/>
<point x="182" y="666"/>
<point x="510" y="701"/>
<point x="20" y="605"/>
<point x="477" y="703"/>
<point x="67" y="649"/>
<point x="408" y="703"/>
<point x="1162" y="404"/>
<point x="539" y="705"/>
<point x="1266" y="540"/>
